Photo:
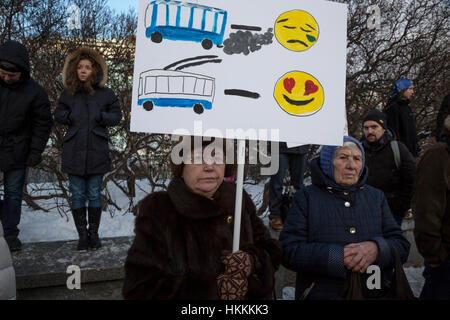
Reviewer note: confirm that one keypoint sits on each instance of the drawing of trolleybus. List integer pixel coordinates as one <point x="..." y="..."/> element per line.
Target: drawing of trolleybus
<point x="175" y="20"/>
<point x="169" y="88"/>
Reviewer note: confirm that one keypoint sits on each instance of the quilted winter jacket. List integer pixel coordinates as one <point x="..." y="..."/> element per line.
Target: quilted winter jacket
<point x="86" y="143"/>
<point x="323" y="219"/>
<point x="25" y="117"/>
<point x="7" y="274"/>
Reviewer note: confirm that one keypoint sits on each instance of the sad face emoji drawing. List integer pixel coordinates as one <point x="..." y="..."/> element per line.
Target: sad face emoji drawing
<point x="299" y="94"/>
<point x="296" y="30"/>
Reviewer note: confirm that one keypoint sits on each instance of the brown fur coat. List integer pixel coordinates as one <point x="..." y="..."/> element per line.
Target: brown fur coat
<point x="69" y="73"/>
<point x="179" y="240"/>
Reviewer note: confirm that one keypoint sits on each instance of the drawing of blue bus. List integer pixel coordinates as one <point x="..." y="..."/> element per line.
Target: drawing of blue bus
<point x="169" y="88"/>
<point x="175" y="20"/>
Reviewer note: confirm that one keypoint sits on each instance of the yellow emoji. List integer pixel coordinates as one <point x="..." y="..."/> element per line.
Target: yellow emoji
<point x="296" y="30"/>
<point x="299" y="94"/>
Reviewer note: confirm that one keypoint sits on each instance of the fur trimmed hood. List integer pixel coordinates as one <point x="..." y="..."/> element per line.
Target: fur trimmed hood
<point x="102" y="75"/>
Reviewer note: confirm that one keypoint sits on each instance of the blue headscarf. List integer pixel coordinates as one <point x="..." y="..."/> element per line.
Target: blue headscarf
<point x="400" y="85"/>
<point x="327" y="157"/>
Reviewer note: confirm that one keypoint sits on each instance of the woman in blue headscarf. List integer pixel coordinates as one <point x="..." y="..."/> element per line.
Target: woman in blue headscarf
<point x="339" y="224"/>
<point x="400" y="118"/>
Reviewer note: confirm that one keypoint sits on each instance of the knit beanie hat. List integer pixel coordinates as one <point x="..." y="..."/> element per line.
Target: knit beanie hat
<point x="327" y="157"/>
<point x="8" y="66"/>
<point x="400" y="85"/>
<point x="377" y="116"/>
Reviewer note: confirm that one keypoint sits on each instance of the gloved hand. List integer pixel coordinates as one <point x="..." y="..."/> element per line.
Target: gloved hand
<point x="233" y="284"/>
<point x="34" y="158"/>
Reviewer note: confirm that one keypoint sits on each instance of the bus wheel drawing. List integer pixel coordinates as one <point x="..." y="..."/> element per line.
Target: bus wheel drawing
<point x="148" y="105"/>
<point x="198" y="108"/>
<point x="207" y="44"/>
<point x="156" y="37"/>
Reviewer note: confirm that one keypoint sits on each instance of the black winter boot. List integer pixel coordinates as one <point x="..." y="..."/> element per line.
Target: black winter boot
<point x="79" y="217"/>
<point x="94" y="215"/>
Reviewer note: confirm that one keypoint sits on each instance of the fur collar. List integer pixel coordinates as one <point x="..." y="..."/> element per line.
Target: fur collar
<point x="194" y="206"/>
<point x="103" y="73"/>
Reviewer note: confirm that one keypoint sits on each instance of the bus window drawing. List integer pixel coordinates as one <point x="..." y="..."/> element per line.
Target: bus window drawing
<point x="169" y="88"/>
<point x="175" y="20"/>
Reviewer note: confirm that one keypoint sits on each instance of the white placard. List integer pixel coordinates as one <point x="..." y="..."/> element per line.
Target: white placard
<point x="181" y="87"/>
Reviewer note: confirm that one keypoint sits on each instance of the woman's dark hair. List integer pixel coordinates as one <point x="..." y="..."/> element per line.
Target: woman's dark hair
<point x="227" y="145"/>
<point x="74" y="84"/>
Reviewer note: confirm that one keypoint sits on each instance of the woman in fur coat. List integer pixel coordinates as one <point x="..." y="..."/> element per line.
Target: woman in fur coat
<point x="88" y="108"/>
<point x="184" y="236"/>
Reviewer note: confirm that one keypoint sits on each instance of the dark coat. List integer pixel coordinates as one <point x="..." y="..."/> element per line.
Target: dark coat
<point x="401" y="121"/>
<point x="431" y="204"/>
<point x="397" y="184"/>
<point x="25" y="116"/>
<point x="294" y="150"/>
<point x="86" y="143"/>
<point x="444" y="111"/>
<point x="318" y="227"/>
<point x="179" y="240"/>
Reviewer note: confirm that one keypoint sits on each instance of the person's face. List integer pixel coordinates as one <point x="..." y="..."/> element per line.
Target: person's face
<point x="84" y="70"/>
<point x="347" y="166"/>
<point x="204" y="178"/>
<point x="373" y="131"/>
<point x="408" y="94"/>
<point x="9" y="77"/>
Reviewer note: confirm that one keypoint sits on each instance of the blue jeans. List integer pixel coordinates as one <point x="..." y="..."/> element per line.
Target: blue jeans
<point x="296" y="163"/>
<point x="86" y="188"/>
<point x="11" y="208"/>
<point x="437" y="282"/>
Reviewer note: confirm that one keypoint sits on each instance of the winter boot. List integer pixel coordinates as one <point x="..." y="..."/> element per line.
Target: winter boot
<point x="94" y="215"/>
<point x="79" y="217"/>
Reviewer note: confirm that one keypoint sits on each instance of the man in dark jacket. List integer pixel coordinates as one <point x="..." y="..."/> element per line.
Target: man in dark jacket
<point x="431" y="205"/>
<point x="25" y="124"/>
<point x="293" y="159"/>
<point x="396" y="182"/>
<point x="400" y="117"/>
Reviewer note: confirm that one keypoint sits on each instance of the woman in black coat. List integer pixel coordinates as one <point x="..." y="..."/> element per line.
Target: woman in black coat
<point x="88" y="108"/>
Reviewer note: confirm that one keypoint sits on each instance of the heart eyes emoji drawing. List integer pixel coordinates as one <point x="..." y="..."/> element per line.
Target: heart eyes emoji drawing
<point x="299" y="93"/>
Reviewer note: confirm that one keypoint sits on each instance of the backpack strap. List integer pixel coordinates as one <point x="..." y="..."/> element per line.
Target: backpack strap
<point x="396" y="151"/>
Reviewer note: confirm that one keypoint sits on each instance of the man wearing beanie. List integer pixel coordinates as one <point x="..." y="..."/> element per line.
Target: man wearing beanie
<point x="395" y="181"/>
<point x="400" y="117"/>
<point x="25" y="123"/>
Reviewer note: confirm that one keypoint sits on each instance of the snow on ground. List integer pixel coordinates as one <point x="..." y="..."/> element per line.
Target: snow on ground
<point x="415" y="279"/>
<point x="40" y="226"/>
